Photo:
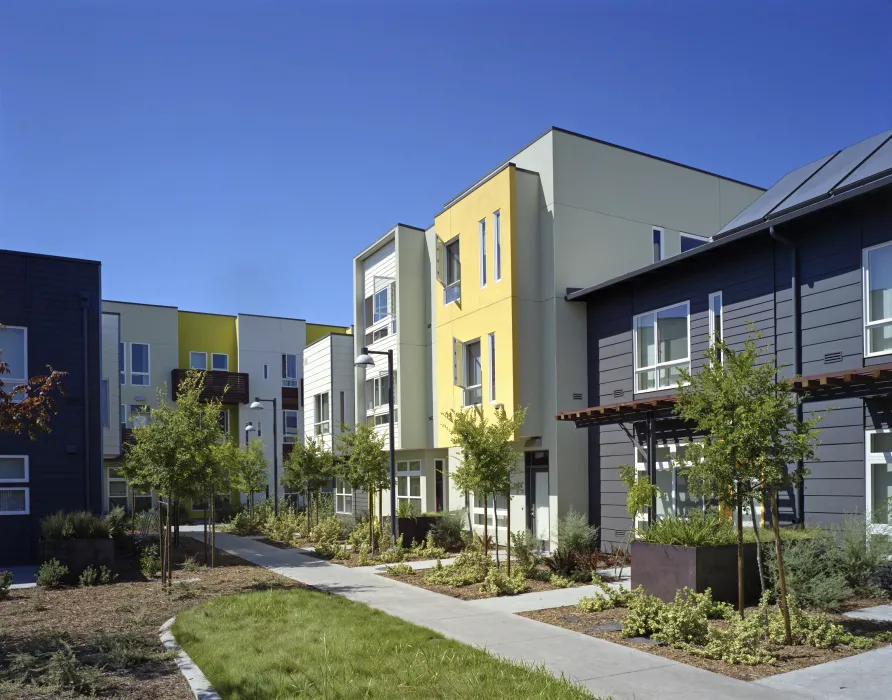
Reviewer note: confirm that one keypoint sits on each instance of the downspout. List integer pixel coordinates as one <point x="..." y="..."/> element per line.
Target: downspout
<point x="85" y="300"/>
<point x="797" y="350"/>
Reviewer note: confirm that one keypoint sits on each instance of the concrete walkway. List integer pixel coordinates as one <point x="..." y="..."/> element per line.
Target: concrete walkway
<point x="605" y="668"/>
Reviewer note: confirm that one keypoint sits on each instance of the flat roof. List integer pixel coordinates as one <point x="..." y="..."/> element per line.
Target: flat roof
<point x="51" y="257"/>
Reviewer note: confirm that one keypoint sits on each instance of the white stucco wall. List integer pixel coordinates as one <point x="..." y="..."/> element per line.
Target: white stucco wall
<point x="328" y="368"/>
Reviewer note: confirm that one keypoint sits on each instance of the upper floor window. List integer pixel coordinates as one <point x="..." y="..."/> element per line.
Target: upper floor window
<point x="659" y="248"/>
<point x="139" y="415"/>
<point x="139" y="364"/>
<point x="377" y="392"/>
<point x="14" y="349"/>
<point x="482" y="252"/>
<point x="320" y="414"/>
<point x="103" y="403"/>
<point x="290" y="424"/>
<point x="121" y="367"/>
<point x="381" y="309"/>
<point x="289" y="370"/>
<point x="219" y="362"/>
<point x="198" y="360"/>
<point x="715" y="317"/>
<point x="497" y="231"/>
<point x="224" y="422"/>
<point x="266" y="371"/>
<point x="662" y="346"/>
<point x="878" y="299"/>
<point x="449" y="269"/>
<point x="13" y="469"/>
<point x="689" y="241"/>
<point x="472" y="374"/>
<point x="343" y="497"/>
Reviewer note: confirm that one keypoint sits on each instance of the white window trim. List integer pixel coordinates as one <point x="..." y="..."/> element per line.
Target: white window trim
<point x="219" y="354"/>
<point x="27" y="470"/>
<point x="712" y="298"/>
<point x="321" y="427"/>
<point x="196" y="352"/>
<point x="869" y="457"/>
<point x="492" y="368"/>
<point x="341" y="490"/>
<point x="481" y="229"/>
<point x="410" y="474"/>
<point x="147" y="373"/>
<point x="655" y="229"/>
<point x="456" y="283"/>
<point x="493" y="515"/>
<point x="292" y="382"/>
<point x="285" y="413"/>
<point x="27" y="490"/>
<point x="464" y="371"/>
<point x="865" y="287"/>
<point x="497" y="242"/>
<point x="635" y="368"/>
<point x="8" y="380"/>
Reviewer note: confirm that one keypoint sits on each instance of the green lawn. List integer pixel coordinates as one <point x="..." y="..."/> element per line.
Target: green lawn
<point x="306" y="644"/>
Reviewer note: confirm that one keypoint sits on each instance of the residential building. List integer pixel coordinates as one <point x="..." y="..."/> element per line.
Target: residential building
<point x="50" y="311"/>
<point x="809" y="264"/>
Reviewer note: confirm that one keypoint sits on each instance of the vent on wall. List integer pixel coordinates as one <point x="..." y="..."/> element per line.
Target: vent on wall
<point x="831" y="357"/>
<point x="621" y="534"/>
<point x="618" y="393"/>
<point x="577" y="397"/>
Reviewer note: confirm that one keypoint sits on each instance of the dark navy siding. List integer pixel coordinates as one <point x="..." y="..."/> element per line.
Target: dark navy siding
<point x="754" y="278"/>
<point x="44" y="294"/>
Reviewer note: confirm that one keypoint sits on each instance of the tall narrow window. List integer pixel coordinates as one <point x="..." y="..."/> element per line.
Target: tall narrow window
<point x="266" y="371"/>
<point x="123" y="415"/>
<point x="290" y="425"/>
<point x="879" y="480"/>
<point x="103" y="403"/>
<point x="224" y="422"/>
<point x="408" y="484"/>
<point x="381" y="308"/>
<point x="452" y="272"/>
<point x="482" y="252"/>
<point x="878" y="299"/>
<point x="289" y="370"/>
<point x="497" y="232"/>
<point x="198" y="360"/>
<point x="121" y="367"/>
<point x="659" y="250"/>
<point x="343" y="497"/>
<point x="492" y="366"/>
<point x="320" y="414"/>
<point x="715" y="317"/>
<point x="473" y="394"/>
<point x="14" y="346"/>
<point x="341" y="414"/>
<point x="662" y="347"/>
<point x="139" y="364"/>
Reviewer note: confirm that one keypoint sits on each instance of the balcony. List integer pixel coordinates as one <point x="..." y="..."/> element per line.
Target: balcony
<point x="215" y="386"/>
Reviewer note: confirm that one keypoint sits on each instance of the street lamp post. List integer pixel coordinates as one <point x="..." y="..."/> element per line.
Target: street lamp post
<point x="365" y="360"/>
<point x="258" y="406"/>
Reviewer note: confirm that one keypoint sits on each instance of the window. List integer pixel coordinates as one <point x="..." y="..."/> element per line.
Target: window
<point x="266" y="371"/>
<point x="675" y="498"/>
<point x="492" y="366"/>
<point x="290" y="425"/>
<point x="376" y="335"/>
<point x="451" y="272"/>
<point x="408" y="484"/>
<point x="377" y="392"/>
<point x="289" y="370"/>
<point x="877" y="275"/>
<point x="139" y="415"/>
<point x="343" y="497"/>
<point x="473" y="393"/>
<point x="259" y="429"/>
<point x="320" y="415"/>
<point x="15" y="500"/>
<point x="103" y="403"/>
<point x="879" y="480"/>
<point x="482" y="253"/>
<point x="342" y="411"/>
<point x="481" y="514"/>
<point x="384" y="418"/>
<point x="13" y="469"/>
<point x="219" y="362"/>
<point x="198" y="360"/>
<point x="661" y="347"/>
<point x="381" y="310"/>
<point x="121" y="368"/>
<point x="120" y="494"/>
<point x="139" y="364"/>
<point x="658" y="244"/>
<point x="14" y="347"/>
<point x="497" y="230"/>
<point x="123" y="415"/>
<point x="689" y="241"/>
<point x="224" y="421"/>
<point x="715" y="317"/>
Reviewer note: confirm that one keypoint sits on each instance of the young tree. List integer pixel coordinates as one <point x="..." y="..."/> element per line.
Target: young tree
<point x="489" y="456"/>
<point x="310" y="466"/>
<point x="251" y="471"/>
<point x="745" y="411"/>
<point x="366" y="464"/>
<point x="29" y="406"/>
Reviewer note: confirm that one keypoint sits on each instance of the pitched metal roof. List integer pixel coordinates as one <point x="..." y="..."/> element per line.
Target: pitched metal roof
<point x="824" y="178"/>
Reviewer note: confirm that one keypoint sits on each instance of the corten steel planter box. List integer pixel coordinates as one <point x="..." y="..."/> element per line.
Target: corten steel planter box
<point x="414" y="528"/>
<point x="664" y="569"/>
<point x="77" y="555"/>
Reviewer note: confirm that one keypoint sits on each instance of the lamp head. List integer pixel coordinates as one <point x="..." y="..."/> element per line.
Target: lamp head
<point x="256" y="405"/>
<point x="364" y="359"/>
<point x="249" y="427"/>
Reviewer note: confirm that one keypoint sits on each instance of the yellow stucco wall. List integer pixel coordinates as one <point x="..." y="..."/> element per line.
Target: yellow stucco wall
<point x="207" y="333"/>
<point x="317" y="330"/>
<point x="479" y="311"/>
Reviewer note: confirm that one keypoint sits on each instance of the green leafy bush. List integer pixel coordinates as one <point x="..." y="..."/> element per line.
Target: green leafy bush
<point x="861" y="557"/>
<point x="682" y="621"/>
<point x="559" y="581"/>
<point x="706" y="606"/>
<point x="51" y="574"/>
<point x="76" y="525"/>
<point x="594" y="603"/>
<point x="525" y="550"/>
<point x="427" y="549"/>
<point x="359" y="534"/>
<point x="470" y="567"/>
<point x="448" y="529"/>
<point x="400" y="570"/>
<point x="811" y="570"/>
<point x="327" y="531"/>
<point x="363" y="559"/>
<point x="150" y="561"/>
<point x="246" y="523"/>
<point x="698" y="529"/>
<point x="407" y="509"/>
<point x="89" y="576"/>
<point x="282" y="527"/>
<point x="612" y="598"/>
<point x="5" y="583"/>
<point x="643" y="614"/>
<point x="396" y="553"/>
<point x="117" y="521"/>
<point x="498" y="583"/>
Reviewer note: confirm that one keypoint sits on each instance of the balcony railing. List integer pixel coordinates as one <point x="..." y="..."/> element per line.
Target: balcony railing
<point x="215" y="386"/>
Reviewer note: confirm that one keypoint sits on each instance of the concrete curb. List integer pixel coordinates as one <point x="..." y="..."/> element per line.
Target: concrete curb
<point x="198" y="682"/>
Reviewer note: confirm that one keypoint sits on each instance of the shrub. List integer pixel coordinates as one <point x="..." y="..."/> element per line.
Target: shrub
<point x="247" y="522"/>
<point x="470" y="567"/>
<point x="117" y="521"/>
<point x="427" y="549"/>
<point x="396" y="553"/>
<point x="709" y="608"/>
<point x="150" y="561"/>
<point x="594" y="603"/>
<point x="64" y="673"/>
<point x="363" y="559"/>
<point x="359" y="535"/>
<point x="76" y="525"/>
<point x="644" y="614"/>
<point x="698" y="529"/>
<point x="5" y="583"/>
<point x="575" y="535"/>
<point x="682" y="621"/>
<point x="400" y="570"/>
<point x="407" y="509"/>
<point x="497" y="583"/>
<point x="89" y="576"/>
<point x="612" y="598"/>
<point x="448" y="529"/>
<point x="327" y="531"/>
<point x="282" y="527"/>
<point x="811" y="570"/>
<point x="525" y="550"/>
<point x="51" y="574"/>
<point x="559" y="581"/>
<point x="861" y="557"/>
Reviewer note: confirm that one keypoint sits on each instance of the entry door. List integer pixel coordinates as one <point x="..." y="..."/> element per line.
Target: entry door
<point x="440" y="484"/>
<point x="538" y="515"/>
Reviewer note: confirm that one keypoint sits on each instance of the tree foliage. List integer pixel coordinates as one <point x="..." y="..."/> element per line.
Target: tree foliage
<point x="309" y="466"/>
<point x="251" y="473"/>
<point x="366" y="464"/>
<point x="29" y="406"/>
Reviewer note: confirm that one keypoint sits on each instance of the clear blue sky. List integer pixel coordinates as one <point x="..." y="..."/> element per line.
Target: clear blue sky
<point x="233" y="156"/>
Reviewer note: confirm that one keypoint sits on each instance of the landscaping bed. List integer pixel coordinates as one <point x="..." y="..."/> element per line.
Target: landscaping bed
<point x="112" y="630"/>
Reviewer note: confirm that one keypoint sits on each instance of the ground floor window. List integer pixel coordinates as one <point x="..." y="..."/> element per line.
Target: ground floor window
<point x="15" y="500"/>
<point x="482" y="515"/>
<point x="879" y="479"/>
<point x="408" y="484"/>
<point x="343" y="497"/>
<point x="121" y="494"/>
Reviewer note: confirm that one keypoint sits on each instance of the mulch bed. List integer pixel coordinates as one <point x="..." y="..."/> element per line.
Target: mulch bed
<point x="34" y="619"/>
<point x="788" y="658"/>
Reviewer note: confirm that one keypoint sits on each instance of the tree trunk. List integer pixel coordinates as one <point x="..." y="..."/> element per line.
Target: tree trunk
<point x="740" y="594"/>
<point x="167" y="547"/>
<point x="508" y="499"/>
<point x="161" y="537"/>
<point x="485" y="525"/>
<point x="213" y="531"/>
<point x="775" y="524"/>
<point x="468" y="509"/>
<point x="759" y="558"/>
<point x="381" y="510"/>
<point x="495" y="517"/>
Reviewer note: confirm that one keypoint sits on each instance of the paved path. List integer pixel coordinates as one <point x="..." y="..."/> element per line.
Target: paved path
<point x="605" y="668"/>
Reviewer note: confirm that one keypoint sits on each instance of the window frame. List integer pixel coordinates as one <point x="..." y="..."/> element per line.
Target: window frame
<point x="456" y="283"/>
<point x="712" y="297"/>
<point x="122" y="361"/>
<point x="636" y="370"/>
<point x="865" y="293"/>
<point x="192" y="362"/>
<point x="148" y="373"/>
<point x="378" y="317"/>
<point x="492" y="367"/>
<point x="497" y="242"/>
<point x="869" y="459"/>
<point x="321" y="427"/>
<point x="494" y="515"/>
<point x="470" y="388"/>
<point x="481" y="232"/>
<point x="142" y="413"/>
<point x="266" y="371"/>
<point x="27" y="510"/>
<point x="291" y="382"/>
<point x="409" y="473"/>
<point x="215" y="355"/>
<point x="27" y="477"/>
<point x="661" y="243"/>
<point x="342" y="492"/>
<point x="9" y="381"/>
<point x="288" y="436"/>
<point x="702" y="240"/>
